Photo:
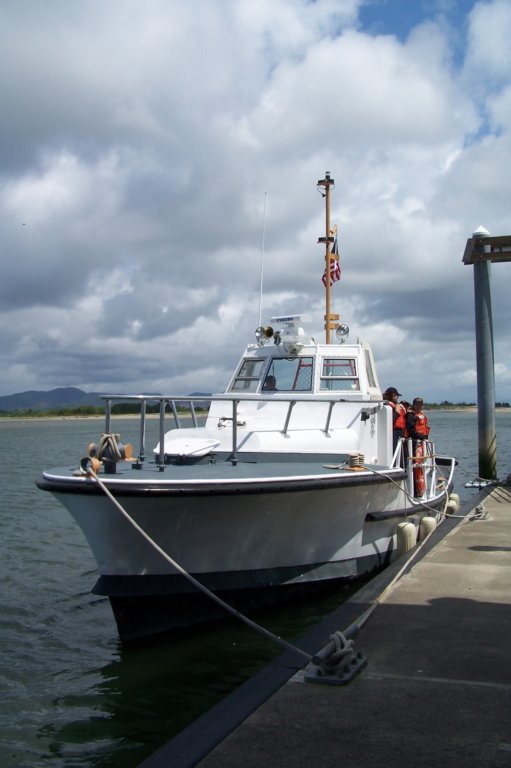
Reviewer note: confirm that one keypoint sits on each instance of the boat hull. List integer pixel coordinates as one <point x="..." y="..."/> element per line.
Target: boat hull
<point x="252" y="547"/>
<point x="150" y="616"/>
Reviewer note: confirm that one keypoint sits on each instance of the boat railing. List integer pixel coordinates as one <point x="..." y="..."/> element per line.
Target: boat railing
<point x="192" y="403"/>
<point x="424" y="463"/>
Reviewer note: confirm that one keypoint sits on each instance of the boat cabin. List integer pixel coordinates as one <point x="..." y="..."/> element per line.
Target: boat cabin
<point x="289" y="361"/>
<point x="292" y="395"/>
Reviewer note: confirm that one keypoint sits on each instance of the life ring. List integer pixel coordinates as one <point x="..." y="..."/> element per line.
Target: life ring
<point x="418" y="472"/>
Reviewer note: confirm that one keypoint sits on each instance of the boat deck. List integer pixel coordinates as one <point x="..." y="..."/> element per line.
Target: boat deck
<point x="287" y="468"/>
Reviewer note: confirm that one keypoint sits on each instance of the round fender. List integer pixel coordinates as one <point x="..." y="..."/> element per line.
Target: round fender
<point x="406" y="534"/>
<point x="451" y="508"/>
<point x="427" y="525"/>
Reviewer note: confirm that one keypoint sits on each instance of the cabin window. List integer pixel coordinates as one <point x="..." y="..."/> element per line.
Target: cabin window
<point x="289" y="374"/>
<point x="248" y="375"/>
<point x="339" y="374"/>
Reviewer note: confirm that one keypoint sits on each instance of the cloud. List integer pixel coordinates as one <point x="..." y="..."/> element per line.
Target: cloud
<point x="488" y="57"/>
<point x="143" y="148"/>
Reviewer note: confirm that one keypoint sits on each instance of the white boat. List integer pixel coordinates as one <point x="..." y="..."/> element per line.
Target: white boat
<point x="292" y="482"/>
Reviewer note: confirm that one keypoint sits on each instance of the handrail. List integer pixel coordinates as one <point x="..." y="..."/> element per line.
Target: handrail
<point x="306" y="397"/>
<point x="108" y="415"/>
<point x="143" y="411"/>
<point x="426" y="462"/>
<point x="194" y="417"/>
<point x="329" y="416"/>
<point x="172" y="404"/>
<point x="162" y="435"/>
<point x="235" y="399"/>
<point x="288" y="417"/>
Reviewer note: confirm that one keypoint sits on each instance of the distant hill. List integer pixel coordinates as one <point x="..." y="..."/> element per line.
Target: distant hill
<point x="62" y="397"/>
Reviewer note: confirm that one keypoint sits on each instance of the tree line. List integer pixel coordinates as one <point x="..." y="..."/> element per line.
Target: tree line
<point x="131" y="409"/>
<point x="84" y="411"/>
<point x="448" y="404"/>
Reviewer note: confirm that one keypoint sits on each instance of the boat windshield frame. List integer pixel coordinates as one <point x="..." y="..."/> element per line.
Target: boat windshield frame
<point x="276" y="373"/>
<point x="339" y="374"/>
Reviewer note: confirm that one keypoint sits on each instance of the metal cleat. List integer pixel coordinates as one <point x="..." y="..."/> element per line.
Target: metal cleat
<point x="335" y="664"/>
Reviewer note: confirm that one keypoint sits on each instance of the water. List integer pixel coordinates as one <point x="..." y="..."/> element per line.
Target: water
<point x="70" y="694"/>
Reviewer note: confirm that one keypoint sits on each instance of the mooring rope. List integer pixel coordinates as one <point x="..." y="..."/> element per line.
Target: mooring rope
<point x="192" y="579"/>
<point x="416" y="502"/>
<point x="352" y="630"/>
<point x="478" y="511"/>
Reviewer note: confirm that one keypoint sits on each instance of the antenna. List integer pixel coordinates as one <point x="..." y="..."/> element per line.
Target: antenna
<point x="262" y="262"/>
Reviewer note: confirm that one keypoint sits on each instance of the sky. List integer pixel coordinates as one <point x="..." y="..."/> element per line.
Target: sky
<point x="159" y="162"/>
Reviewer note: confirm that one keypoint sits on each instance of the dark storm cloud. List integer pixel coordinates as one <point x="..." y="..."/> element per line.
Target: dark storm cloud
<point x="139" y="144"/>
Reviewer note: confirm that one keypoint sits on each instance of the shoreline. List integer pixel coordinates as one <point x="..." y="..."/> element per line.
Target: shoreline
<point x="114" y="417"/>
<point x="187" y="414"/>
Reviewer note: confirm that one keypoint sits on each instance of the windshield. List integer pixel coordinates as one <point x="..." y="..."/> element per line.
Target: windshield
<point x="289" y="374"/>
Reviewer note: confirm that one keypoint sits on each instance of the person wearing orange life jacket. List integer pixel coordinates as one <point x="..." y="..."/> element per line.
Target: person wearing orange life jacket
<point x="398" y="414"/>
<point x="417" y="426"/>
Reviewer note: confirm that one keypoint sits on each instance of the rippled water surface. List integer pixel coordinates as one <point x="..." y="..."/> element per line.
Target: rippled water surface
<point x="71" y="695"/>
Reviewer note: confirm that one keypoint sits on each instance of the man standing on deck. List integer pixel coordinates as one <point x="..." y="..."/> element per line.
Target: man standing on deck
<point x="417" y="426"/>
<point x="398" y="414"/>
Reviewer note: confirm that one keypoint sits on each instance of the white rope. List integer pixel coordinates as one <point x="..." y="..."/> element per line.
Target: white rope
<point x="477" y="513"/>
<point x="191" y="579"/>
<point x="343" y="646"/>
<point x="362" y="619"/>
<point x="415" y="501"/>
<point x="109" y="441"/>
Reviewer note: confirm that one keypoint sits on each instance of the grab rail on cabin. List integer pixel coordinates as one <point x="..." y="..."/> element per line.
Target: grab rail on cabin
<point x="191" y="404"/>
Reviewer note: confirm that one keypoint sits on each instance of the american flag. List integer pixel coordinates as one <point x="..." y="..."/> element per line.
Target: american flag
<point x="335" y="267"/>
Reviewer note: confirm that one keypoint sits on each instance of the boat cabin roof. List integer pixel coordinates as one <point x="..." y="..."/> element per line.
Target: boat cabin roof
<point x="289" y="361"/>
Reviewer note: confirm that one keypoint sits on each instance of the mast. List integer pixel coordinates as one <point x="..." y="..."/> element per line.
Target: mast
<point x="330" y="319"/>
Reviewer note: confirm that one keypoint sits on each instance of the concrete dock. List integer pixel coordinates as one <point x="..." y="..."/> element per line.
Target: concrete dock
<point x="436" y="690"/>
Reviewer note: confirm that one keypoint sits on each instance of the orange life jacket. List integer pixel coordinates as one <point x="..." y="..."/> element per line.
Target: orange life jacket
<point x="421" y="425"/>
<point x="400" y="422"/>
